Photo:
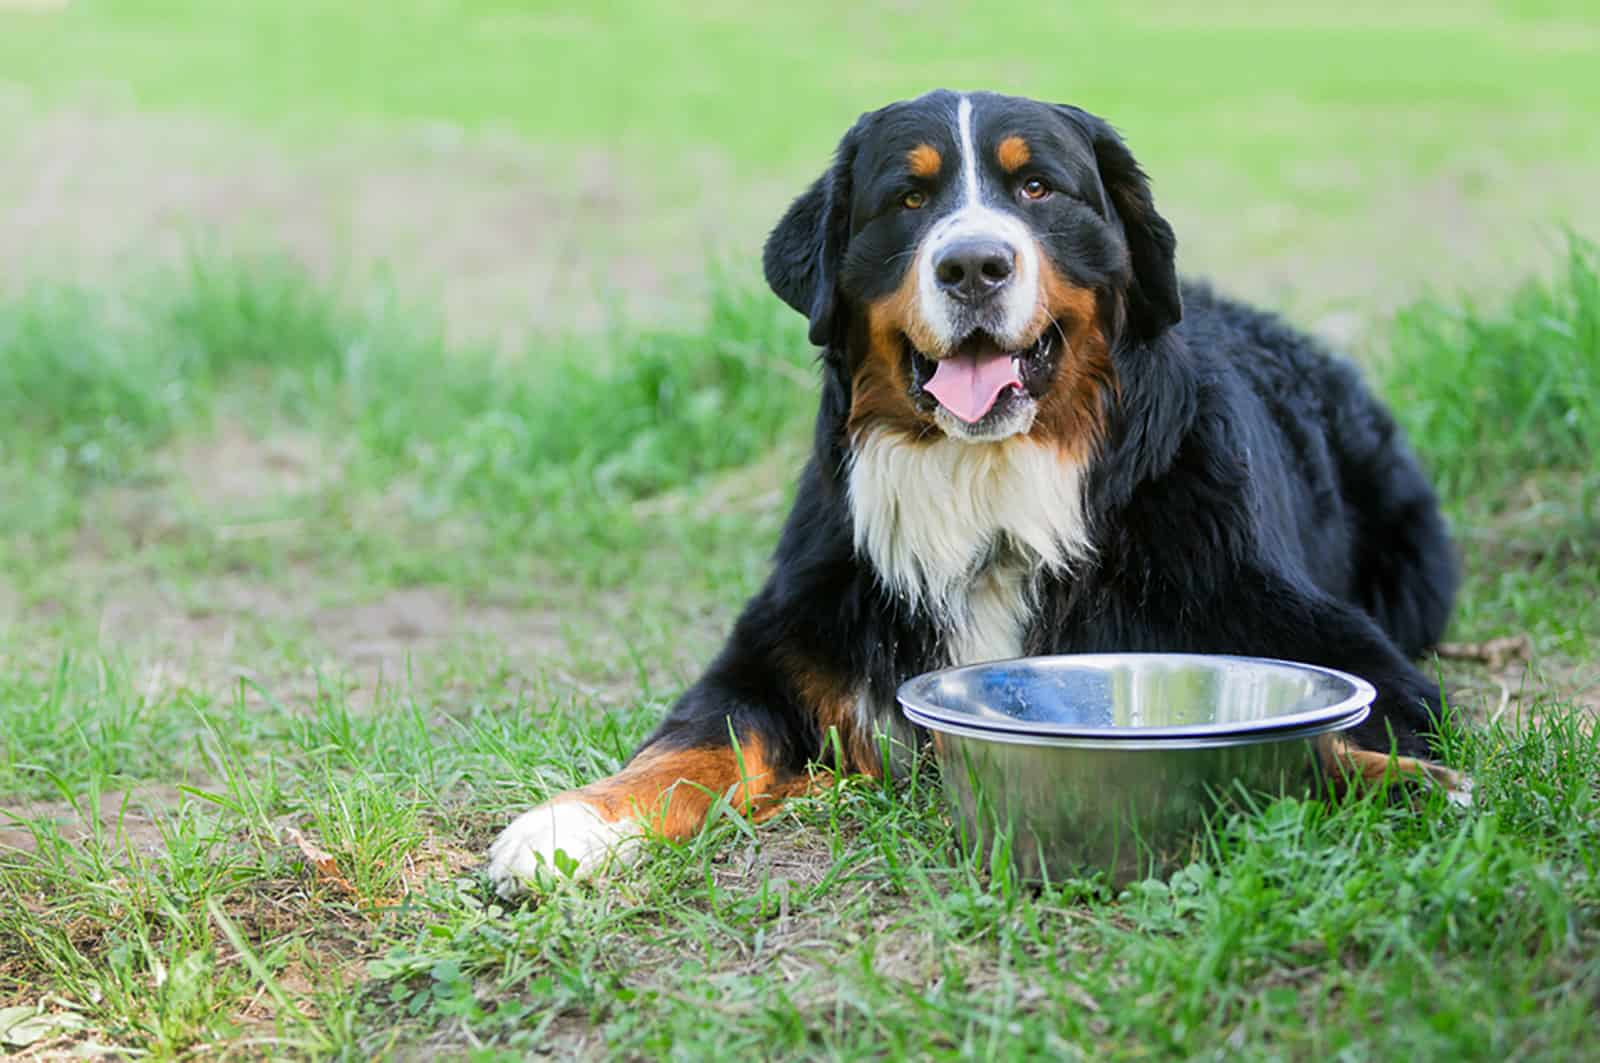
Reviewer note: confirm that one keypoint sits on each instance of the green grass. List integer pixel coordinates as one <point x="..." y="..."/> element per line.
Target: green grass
<point x="848" y="928"/>
<point x="774" y="85"/>
<point x="626" y="491"/>
<point x="1528" y="375"/>
<point x="290" y="573"/>
<point x="1501" y="404"/>
<point x="544" y="461"/>
<point x="1328" y="156"/>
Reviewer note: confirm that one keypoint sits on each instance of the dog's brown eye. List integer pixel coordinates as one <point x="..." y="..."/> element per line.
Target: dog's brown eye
<point x="1034" y="188"/>
<point x="913" y="200"/>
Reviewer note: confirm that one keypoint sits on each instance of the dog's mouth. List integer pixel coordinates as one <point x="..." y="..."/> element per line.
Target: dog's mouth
<point x="980" y="374"/>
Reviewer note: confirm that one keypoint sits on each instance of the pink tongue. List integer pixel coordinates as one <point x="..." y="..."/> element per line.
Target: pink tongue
<point x="968" y="384"/>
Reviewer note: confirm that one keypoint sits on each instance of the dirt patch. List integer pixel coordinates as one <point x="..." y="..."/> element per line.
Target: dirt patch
<point x="387" y="629"/>
<point x="287" y="638"/>
<point x="128" y="818"/>
<point x="1342" y="271"/>
<point x="382" y="638"/>
<point x="786" y="857"/>
<point x="296" y="631"/>
<point x="436" y="859"/>
<point x="512" y="239"/>
<point x="191" y="642"/>
<point x="10" y="607"/>
<point x="234" y="468"/>
<point x="1519" y="692"/>
<point x="230" y="480"/>
<point x="292" y="627"/>
<point x="506" y="238"/>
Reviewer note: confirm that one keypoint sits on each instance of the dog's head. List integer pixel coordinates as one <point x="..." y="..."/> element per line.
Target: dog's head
<point x="969" y="260"/>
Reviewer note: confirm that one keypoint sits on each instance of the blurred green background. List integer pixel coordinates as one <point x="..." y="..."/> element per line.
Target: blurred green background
<point x="544" y="166"/>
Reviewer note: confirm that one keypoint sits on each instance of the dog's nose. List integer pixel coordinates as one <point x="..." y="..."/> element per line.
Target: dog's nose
<point x="973" y="269"/>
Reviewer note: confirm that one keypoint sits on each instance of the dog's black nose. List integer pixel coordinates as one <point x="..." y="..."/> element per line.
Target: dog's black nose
<point x="973" y="269"/>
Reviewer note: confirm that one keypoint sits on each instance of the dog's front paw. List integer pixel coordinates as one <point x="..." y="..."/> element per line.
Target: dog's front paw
<point x="525" y="852"/>
<point x="1405" y="716"/>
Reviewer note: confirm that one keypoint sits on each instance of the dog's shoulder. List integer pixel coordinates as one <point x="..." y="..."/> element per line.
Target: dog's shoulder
<point x="1277" y="359"/>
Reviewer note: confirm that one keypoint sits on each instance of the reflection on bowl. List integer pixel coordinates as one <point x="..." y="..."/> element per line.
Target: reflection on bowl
<point x="1113" y="761"/>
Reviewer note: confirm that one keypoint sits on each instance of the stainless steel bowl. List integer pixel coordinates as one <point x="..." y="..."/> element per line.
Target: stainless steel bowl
<point x="1113" y="761"/>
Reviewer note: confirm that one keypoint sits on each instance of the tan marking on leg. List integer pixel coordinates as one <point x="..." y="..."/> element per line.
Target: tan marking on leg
<point x="670" y="791"/>
<point x="1346" y="763"/>
<point x="832" y="703"/>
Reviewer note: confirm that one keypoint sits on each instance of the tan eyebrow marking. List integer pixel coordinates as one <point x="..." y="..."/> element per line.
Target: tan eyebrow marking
<point x="1013" y="153"/>
<point x="924" y="160"/>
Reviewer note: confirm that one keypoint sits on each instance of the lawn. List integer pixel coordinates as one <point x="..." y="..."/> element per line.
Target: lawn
<point x="319" y="563"/>
<point x="550" y="163"/>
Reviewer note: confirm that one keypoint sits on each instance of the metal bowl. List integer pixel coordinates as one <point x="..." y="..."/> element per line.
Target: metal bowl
<point x="1114" y="761"/>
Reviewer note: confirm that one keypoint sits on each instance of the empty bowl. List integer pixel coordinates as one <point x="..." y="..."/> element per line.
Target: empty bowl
<point x="1114" y="761"/>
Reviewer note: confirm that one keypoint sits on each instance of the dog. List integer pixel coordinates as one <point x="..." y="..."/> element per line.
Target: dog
<point x="1032" y="438"/>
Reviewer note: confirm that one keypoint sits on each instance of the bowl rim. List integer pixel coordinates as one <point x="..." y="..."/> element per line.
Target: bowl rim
<point x="1350" y="710"/>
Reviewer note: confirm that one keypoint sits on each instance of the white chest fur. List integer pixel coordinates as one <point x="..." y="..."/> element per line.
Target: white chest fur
<point x="963" y="530"/>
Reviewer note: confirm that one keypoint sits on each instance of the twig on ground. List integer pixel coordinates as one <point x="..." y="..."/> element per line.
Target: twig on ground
<point x="322" y="862"/>
<point x="1505" y="700"/>
<point x="1495" y="653"/>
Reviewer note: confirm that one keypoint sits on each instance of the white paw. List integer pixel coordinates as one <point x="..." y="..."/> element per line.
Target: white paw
<point x="526" y="850"/>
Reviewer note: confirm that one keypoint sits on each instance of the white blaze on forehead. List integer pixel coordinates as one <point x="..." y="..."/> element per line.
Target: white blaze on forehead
<point x="974" y="218"/>
<point x="969" y="153"/>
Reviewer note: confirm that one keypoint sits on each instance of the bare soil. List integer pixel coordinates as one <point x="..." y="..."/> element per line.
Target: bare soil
<point x="128" y="817"/>
<point x="506" y="239"/>
<point x="512" y="240"/>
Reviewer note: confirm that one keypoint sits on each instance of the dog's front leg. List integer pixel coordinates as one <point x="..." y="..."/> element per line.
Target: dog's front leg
<point x="665" y="790"/>
<point x="740" y="734"/>
<point x="1303" y="624"/>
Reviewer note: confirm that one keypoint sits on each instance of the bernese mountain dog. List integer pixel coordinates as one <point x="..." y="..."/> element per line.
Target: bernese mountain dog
<point x="1032" y="439"/>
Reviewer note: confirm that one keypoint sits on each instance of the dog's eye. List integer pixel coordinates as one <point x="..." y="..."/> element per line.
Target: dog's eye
<point x="1034" y="188"/>
<point x="913" y="200"/>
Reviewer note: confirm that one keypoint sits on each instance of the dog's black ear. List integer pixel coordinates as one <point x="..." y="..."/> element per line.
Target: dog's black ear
<point x="1154" y="304"/>
<point x="805" y="249"/>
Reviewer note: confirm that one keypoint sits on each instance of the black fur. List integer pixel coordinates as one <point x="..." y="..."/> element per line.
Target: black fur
<point x="1153" y="300"/>
<point x="1249" y="495"/>
<point x="801" y="261"/>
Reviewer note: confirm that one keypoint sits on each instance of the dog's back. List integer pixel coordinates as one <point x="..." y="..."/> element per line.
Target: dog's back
<point x="1369" y="527"/>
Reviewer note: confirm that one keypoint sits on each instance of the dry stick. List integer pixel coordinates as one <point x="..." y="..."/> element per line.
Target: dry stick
<point x="1505" y="699"/>
<point x="1496" y="653"/>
